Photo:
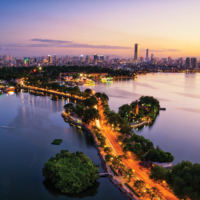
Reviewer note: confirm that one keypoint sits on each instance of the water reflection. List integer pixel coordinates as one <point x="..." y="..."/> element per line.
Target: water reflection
<point x="90" y="192"/>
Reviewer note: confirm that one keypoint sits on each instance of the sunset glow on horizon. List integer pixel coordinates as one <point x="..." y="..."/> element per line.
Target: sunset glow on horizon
<point x="66" y="27"/>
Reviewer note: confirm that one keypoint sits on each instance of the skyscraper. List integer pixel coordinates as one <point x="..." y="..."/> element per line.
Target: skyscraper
<point x="49" y="59"/>
<point x="188" y="63"/>
<point x="102" y="58"/>
<point x="152" y="56"/>
<point x="95" y="57"/>
<point x="136" y="56"/>
<point x="147" y="55"/>
<point x="87" y="59"/>
<point x="194" y="62"/>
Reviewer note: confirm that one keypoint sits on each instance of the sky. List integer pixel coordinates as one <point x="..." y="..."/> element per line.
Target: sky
<point x="108" y="27"/>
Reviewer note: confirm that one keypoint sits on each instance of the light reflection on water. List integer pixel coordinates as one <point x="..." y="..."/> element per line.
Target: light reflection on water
<point x="25" y="148"/>
<point x="175" y="130"/>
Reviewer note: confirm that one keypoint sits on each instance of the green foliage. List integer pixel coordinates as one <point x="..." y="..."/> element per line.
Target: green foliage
<point x="125" y="110"/>
<point x="113" y="170"/>
<point x="92" y="101"/>
<point x="69" y="107"/>
<point x="90" y="114"/>
<point x="132" y="189"/>
<point x="108" y="150"/>
<point x="129" y="174"/>
<point x="156" y="155"/>
<point x="57" y="141"/>
<point x="125" y="128"/>
<point x="79" y="110"/>
<point x="108" y="157"/>
<point x="114" y="119"/>
<point x="88" y="92"/>
<point x="158" y="173"/>
<point x="184" y="179"/>
<point x="139" y="184"/>
<point x="71" y="172"/>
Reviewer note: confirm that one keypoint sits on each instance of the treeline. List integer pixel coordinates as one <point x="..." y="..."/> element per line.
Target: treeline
<point x="8" y="73"/>
<point x="140" y="146"/>
<point x="86" y="110"/>
<point x="183" y="179"/>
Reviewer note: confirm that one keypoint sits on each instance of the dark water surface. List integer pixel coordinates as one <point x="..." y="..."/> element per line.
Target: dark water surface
<point x="177" y="129"/>
<point x="25" y="148"/>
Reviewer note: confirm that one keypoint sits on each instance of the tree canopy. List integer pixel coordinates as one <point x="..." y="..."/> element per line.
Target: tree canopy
<point x="71" y="172"/>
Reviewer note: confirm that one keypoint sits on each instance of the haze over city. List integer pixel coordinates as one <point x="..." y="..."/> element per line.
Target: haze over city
<point x="99" y="100"/>
<point x="35" y="28"/>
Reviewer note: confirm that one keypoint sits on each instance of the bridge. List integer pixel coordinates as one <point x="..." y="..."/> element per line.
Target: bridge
<point x="53" y="92"/>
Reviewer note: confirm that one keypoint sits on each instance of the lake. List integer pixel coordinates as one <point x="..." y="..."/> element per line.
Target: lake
<point x="175" y="130"/>
<point x="35" y="122"/>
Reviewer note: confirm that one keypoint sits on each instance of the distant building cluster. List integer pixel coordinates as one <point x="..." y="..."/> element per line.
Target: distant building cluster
<point x="149" y="62"/>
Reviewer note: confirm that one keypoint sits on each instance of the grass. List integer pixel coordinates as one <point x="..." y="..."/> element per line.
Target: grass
<point x="57" y="141"/>
<point x="132" y="189"/>
<point x="112" y="168"/>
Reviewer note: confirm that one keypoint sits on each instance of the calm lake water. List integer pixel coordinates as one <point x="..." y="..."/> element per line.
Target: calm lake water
<point x="177" y="129"/>
<point x="25" y="148"/>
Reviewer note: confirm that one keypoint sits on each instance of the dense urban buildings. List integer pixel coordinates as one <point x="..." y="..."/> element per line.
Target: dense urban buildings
<point x="134" y="63"/>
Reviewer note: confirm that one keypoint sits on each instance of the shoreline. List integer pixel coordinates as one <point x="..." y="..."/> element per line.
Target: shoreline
<point x="103" y="163"/>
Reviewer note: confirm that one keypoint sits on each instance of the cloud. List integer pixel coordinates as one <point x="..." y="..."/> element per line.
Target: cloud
<point x="76" y="45"/>
<point x="165" y="50"/>
<point x="51" y="41"/>
<point x="71" y="44"/>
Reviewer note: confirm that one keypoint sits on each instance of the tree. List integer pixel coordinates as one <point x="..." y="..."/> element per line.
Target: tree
<point x="116" y="161"/>
<point x="71" y="172"/>
<point x="108" y="150"/>
<point x="92" y="101"/>
<point x="104" y="97"/>
<point x="129" y="174"/>
<point x="90" y="114"/>
<point x="184" y="179"/>
<point x="150" y="193"/>
<point x="80" y="110"/>
<point x="88" y="92"/>
<point x="125" y="110"/>
<point x="125" y="128"/>
<point x="159" y="156"/>
<point x="98" y="94"/>
<point x="108" y="157"/>
<point x="139" y="185"/>
<point x="158" y="173"/>
<point x="69" y="107"/>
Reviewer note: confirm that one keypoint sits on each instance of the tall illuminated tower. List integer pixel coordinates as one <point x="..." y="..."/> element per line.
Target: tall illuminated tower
<point x="136" y="56"/>
<point x="147" y="55"/>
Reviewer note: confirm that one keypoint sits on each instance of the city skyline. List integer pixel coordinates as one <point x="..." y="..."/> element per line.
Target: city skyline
<point x="72" y="28"/>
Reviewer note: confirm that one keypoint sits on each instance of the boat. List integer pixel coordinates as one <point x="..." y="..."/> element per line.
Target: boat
<point x="89" y="82"/>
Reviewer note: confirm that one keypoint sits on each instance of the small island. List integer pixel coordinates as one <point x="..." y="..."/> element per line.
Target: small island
<point x="57" y="141"/>
<point x="71" y="172"/>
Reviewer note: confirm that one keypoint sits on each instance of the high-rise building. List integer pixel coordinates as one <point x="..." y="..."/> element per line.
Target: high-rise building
<point x="102" y="58"/>
<point x="188" y="63"/>
<point x="10" y="58"/>
<point x="55" y="58"/>
<point x="87" y="59"/>
<point x="81" y="58"/>
<point x="6" y="58"/>
<point x="147" y="55"/>
<point x="194" y="62"/>
<point x="95" y="57"/>
<point x="152" y="56"/>
<point x="49" y="59"/>
<point x="107" y="58"/>
<point x="136" y="56"/>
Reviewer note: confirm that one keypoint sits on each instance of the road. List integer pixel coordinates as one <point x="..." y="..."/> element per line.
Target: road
<point x="130" y="163"/>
